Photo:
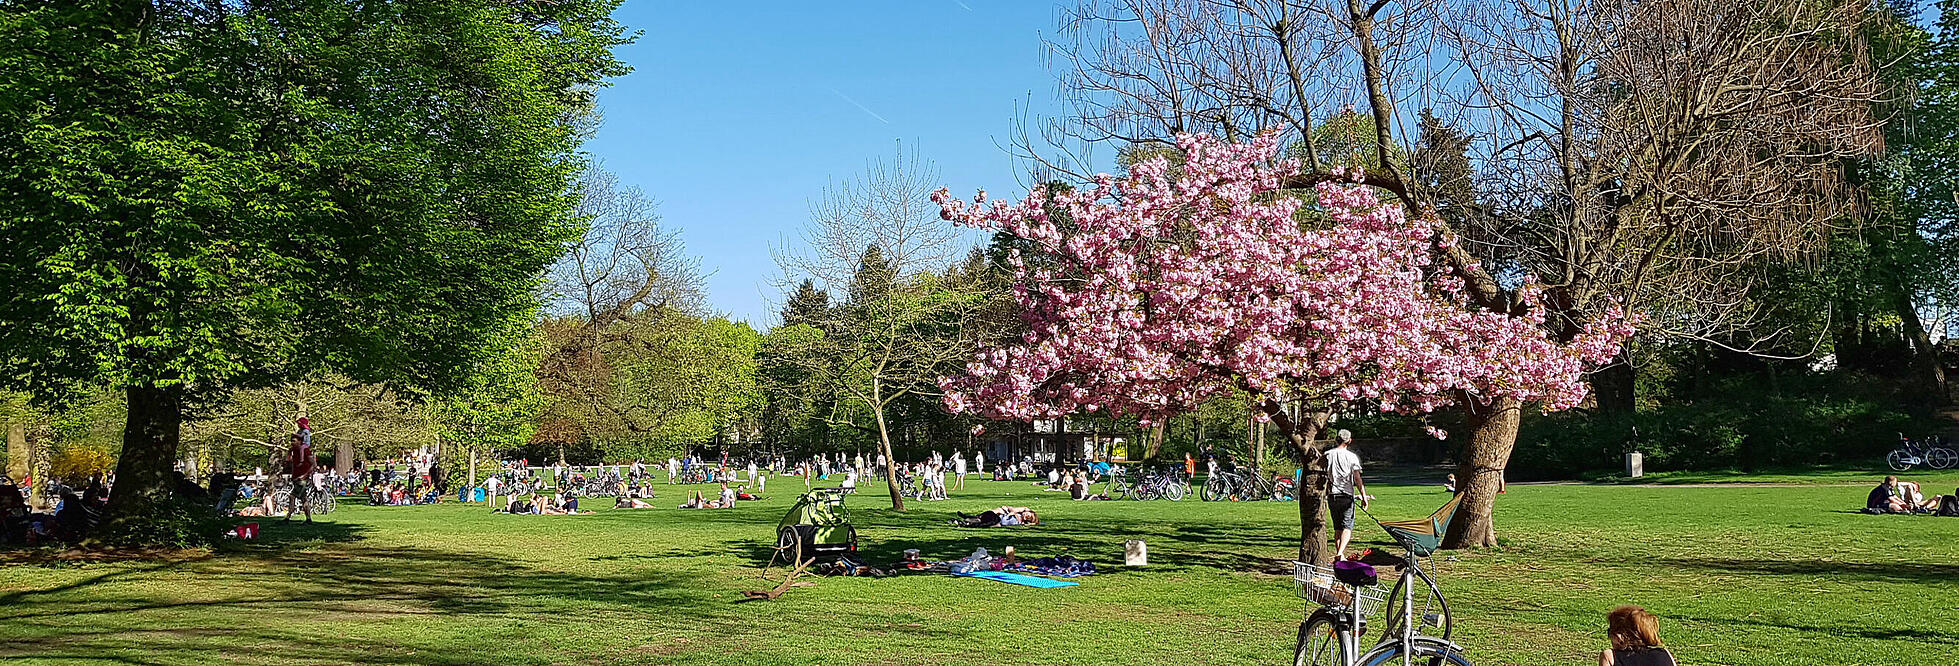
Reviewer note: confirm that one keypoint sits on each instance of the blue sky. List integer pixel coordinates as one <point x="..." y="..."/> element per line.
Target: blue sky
<point x="738" y="113"/>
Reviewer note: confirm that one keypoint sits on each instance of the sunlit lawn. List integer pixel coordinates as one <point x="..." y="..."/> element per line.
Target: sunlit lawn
<point x="1769" y="575"/>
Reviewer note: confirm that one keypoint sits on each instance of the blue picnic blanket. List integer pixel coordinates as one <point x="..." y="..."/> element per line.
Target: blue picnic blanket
<point x="1017" y="579"/>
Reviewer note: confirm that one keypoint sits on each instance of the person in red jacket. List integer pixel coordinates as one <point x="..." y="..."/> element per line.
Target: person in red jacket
<point x="299" y="463"/>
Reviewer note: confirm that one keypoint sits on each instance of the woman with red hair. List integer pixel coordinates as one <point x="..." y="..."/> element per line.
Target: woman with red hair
<point x="1635" y="636"/>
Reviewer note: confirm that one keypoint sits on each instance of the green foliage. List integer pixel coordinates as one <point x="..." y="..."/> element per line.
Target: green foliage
<point x="1741" y="423"/>
<point x="499" y="407"/>
<point x="212" y="196"/>
<point x="808" y="305"/>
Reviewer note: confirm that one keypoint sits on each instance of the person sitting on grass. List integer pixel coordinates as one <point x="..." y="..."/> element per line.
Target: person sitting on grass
<point x="1914" y="499"/>
<point x="566" y="505"/>
<point x="1894" y="496"/>
<point x="1006" y="516"/>
<point x="1635" y="636"/>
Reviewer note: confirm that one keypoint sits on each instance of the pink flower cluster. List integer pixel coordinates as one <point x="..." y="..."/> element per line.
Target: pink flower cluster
<point x="1177" y="284"/>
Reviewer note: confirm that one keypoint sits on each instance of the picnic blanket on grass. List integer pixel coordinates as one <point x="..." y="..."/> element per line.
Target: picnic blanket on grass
<point x="1017" y="579"/>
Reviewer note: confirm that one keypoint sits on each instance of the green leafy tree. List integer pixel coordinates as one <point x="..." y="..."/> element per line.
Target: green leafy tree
<point x="498" y="409"/>
<point x="208" y="196"/>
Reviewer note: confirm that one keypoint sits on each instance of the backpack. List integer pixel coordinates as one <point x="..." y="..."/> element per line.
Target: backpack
<point x="1949" y="505"/>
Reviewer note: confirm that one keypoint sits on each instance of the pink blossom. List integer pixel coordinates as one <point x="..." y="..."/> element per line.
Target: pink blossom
<point x="1177" y="285"/>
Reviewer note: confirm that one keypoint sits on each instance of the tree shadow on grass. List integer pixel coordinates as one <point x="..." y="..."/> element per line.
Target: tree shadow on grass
<point x="282" y="599"/>
<point x="883" y="536"/>
<point x="1936" y="636"/>
<point x="1900" y="572"/>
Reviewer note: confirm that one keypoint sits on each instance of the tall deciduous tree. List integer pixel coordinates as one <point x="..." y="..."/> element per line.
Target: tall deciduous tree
<point x="215" y="195"/>
<point x="1673" y="149"/>
<point x="1177" y="287"/>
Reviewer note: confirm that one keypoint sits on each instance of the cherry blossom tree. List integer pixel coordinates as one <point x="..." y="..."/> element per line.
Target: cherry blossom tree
<point x="1179" y="283"/>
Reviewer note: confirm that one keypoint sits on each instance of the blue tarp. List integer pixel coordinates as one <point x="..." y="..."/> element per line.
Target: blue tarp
<point x="1017" y="579"/>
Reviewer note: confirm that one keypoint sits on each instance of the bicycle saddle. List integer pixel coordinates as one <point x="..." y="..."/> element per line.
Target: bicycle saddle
<point x="1355" y="573"/>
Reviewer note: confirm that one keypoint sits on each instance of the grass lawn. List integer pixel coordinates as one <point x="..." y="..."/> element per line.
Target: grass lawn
<point x="1760" y="575"/>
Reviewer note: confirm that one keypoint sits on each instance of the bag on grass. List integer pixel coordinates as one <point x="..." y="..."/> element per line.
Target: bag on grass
<point x="1949" y="505"/>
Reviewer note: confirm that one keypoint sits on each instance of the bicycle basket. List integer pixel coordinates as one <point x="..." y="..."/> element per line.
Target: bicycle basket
<point x="1321" y="586"/>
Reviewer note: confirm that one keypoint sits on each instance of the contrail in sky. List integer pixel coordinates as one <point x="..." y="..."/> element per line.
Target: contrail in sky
<point x="860" y="107"/>
<point x="962" y="4"/>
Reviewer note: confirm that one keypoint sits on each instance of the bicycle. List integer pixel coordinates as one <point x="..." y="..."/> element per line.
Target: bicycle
<point x="1908" y="454"/>
<point x="321" y="502"/>
<point x="1119" y="486"/>
<point x="1236" y="485"/>
<point x="1329" y="636"/>
<point x="1159" y="485"/>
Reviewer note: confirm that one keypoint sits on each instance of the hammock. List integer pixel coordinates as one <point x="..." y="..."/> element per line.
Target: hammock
<point x="1423" y="535"/>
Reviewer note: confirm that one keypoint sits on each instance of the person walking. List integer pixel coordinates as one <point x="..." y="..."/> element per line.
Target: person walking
<point x="1344" y="487"/>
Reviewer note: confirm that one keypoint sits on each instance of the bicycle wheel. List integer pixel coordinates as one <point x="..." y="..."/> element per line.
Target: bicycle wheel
<point x="281" y="499"/>
<point x="1175" y="491"/>
<point x="1425" y="651"/>
<point x="1941" y="458"/>
<point x="1898" y="461"/>
<point x="1216" y="488"/>
<point x="325" y="503"/>
<point x="1431" y="610"/>
<point x="1319" y="643"/>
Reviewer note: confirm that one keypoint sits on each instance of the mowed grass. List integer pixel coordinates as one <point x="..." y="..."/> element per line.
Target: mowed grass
<point x="1759" y="575"/>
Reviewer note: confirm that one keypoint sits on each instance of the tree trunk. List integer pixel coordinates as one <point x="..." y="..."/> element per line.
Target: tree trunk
<point x="149" y="446"/>
<point x="343" y="456"/>
<point x="884" y="440"/>
<point x="1612" y="385"/>
<point x="1300" y="435"/>
<point x="1155" y="446"/>
<point x="20" y="457"/>
<point x="1492" y="435"/>
<point x="1926" y="371"/>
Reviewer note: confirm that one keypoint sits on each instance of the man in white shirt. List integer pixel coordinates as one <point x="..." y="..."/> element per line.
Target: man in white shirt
<point x="492" y="485"/>
<point x="1343" y="469"/>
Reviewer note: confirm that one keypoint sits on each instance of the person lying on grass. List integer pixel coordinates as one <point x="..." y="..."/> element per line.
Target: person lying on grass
<point x="1006" y="516"/>
<point x="519" y="505"/>
<point x="700" y="502"/>
<point x="624" y="502"/>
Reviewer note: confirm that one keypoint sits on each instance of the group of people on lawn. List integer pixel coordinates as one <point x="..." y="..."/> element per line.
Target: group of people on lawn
<point x="1896" y="496"/>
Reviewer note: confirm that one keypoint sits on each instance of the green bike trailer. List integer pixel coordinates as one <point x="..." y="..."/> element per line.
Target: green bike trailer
<point x="817" y="524"/>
